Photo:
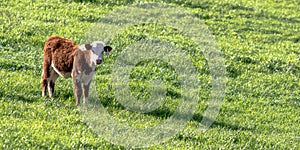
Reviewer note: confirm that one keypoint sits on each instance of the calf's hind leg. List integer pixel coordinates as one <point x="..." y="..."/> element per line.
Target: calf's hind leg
<point x="45" y="76"/>
<point x="44" y="85"/>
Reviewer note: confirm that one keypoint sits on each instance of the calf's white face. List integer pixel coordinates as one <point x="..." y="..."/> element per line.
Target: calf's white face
<point x="98" y="49"/>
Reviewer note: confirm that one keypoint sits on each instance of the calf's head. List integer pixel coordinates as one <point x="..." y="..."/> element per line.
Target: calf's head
<point x="98" y="48"/>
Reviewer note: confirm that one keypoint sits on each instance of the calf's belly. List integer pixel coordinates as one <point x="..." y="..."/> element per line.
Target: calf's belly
<point x="64" y="74"/>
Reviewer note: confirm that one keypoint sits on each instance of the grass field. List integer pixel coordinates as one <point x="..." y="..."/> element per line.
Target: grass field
<point x="260" y="41"/>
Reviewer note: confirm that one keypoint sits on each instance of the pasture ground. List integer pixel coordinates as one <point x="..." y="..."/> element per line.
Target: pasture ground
<point x="260" y="41"/>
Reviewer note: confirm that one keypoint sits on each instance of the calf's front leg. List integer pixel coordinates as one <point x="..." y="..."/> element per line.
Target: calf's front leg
<point x="51" y="82"/>
<point x="86" y="88"/>
<point x="77" y="90"/>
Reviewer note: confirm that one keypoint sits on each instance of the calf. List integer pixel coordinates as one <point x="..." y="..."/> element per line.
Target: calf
<point x="61" y="56"/>
<point x="86" y="58"/>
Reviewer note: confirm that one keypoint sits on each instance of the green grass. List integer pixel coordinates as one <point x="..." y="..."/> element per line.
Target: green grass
<point x="260" y="42"/>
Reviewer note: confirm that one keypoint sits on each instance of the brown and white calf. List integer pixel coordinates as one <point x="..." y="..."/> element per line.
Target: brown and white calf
<point x="62" y="57"/>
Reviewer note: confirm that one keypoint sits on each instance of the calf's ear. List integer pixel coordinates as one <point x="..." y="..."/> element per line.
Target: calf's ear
<point x="107" y="48"/>
<point x="88" y="46"/>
